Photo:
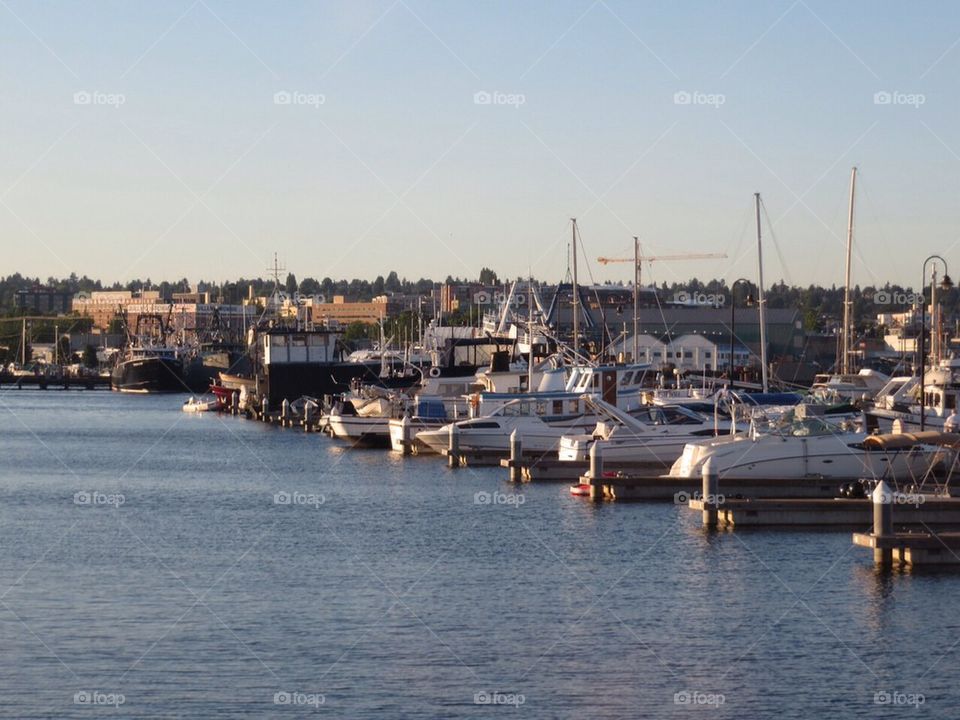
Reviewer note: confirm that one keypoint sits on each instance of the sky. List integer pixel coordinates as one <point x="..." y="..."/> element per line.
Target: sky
<point x="196" y="138"/>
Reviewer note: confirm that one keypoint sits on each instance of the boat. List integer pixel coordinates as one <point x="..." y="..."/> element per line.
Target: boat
<point x="148" y="369"/>
<point x="652" y="435"/>
<point x="898" y="402"/>
<point x="193" y="405"/>
<point x="362" y="417"/>
<point x="846" y="387"/>
<point x="808" y="447"/>
<point x="540" y="421"/>
<point x="429" y="413"/>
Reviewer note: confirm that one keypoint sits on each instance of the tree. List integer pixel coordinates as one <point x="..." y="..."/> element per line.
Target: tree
<point x="63" y="350"/>
<point x="488" y="277"/>
<point x="291" y="284"/>
<point x="89" y="358"/>
<point x="392" y="283"/>
<point x="378" y="285"/>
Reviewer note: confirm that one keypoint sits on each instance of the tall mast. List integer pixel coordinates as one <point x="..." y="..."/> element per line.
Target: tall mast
<point x="23" y="344"/>
<point x="530" y="334"/>
<point x="636" y="298"/>
<point x="576" y="291"/>
<point x="763" y="314"/>
<point x="845" y="357"/>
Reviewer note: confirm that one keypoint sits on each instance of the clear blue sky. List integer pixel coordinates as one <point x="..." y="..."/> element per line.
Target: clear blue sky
<point x="200" y="173"/>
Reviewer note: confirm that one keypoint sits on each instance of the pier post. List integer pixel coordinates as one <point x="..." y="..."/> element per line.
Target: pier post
<point x="596" y="460"/>
<point x="882" y="498"/>
<point x="284" y="412"/>
<point x="307" y="416"/>
<point x="265" y="409"/>
<point x="406" y="446"/>
<point x="453" y="446"/>
<point x="710" y="496"/>
<point x="516" y="455"/>
<point x="235" y="402"/>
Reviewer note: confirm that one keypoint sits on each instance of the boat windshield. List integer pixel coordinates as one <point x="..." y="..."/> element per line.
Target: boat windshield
<point x="805" y="427"/>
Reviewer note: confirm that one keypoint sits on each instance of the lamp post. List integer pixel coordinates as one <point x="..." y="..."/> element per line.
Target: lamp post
<point x="733" y="318"/>
<point x="946" y="284"/>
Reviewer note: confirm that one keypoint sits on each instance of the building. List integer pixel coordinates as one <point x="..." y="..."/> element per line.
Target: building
<point x="687" y="353"/>
<point x="43" y="300"/>
<point x="340" y="311"/>
<point x="104" y="305"/>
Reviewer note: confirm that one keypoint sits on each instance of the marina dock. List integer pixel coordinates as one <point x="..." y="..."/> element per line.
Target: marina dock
<point x="94" y="382"/>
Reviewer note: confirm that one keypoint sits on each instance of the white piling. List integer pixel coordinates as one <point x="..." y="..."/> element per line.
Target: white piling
<point x="516" y="456"/>
<point x="882" y="498"/>
<point x="453" y="446"/>
<point x="405" y="443"/>
<point x="710" y="495"/>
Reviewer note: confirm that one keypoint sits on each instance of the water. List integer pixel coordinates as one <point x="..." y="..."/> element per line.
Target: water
<point x="384" y="589"/>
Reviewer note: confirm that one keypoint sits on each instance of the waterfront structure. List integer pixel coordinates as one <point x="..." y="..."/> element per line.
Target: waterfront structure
<point x="43" y="300"/>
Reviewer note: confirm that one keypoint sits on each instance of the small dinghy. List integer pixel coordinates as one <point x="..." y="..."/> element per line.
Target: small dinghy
<point x="194" y="405"/>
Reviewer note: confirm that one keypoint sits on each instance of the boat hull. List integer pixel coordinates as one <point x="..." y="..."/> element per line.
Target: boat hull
<point x="149" y="375"/>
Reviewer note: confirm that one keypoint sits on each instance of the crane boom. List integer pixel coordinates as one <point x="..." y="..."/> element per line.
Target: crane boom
<point x="651" y="258"/>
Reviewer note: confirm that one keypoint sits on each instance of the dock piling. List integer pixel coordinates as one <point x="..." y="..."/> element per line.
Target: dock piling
<point x="453" y="446"/>
<point x="882" y="522"/>
<point x="516" y="456"/>
<point x="406" y="446"/>
<point x="235" y="402"/>
<point x="596" y="460"/>
<point x="710" y="495"/>
<point x="265" y="410"/>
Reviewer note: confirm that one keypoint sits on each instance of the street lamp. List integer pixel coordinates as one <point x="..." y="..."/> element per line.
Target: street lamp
<point x="733" y="318"/>
<point x="945" y="284"/>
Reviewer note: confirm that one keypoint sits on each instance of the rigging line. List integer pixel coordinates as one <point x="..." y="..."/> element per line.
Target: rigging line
<point x="776" y="245"/>
<point x="596" y="294"/>
<point x="878" y="227"/>
<point x="656" y="296"/>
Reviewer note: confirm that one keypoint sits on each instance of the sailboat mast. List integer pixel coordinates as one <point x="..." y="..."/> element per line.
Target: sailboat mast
<point x="530" y="334"/>
<point x="636" y="298"/>
<point x="762" y="303"/>
<point x="576" y="290"/>
<point x="845" y="358"/>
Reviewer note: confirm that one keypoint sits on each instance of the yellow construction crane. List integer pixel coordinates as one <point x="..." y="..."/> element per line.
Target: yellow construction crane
<point x="637" y="261"/>
<point x="651" y="258"/>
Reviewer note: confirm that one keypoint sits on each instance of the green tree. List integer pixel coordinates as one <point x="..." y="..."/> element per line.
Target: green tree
<point x="89" y="358"/>
<point x="291" y="284"/>
<point x="488" y="277"/>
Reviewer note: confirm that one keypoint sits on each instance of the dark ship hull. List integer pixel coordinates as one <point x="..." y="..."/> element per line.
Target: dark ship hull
<point x="148" y="375"/>
<point x="290" y="381"/>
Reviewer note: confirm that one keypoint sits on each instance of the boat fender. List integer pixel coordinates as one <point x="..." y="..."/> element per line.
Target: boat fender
<point x="434" y="372"/>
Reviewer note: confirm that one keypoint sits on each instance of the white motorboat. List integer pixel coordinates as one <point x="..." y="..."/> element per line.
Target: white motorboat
<point x="534" y="418"/>
<point x="429" y="413"/>
<point x="809" y="447"/>
<point x="654" y="435"/>
<point x="363" y="417"/>
<point x="848" y="387"/>
<point x="194" y="405"/>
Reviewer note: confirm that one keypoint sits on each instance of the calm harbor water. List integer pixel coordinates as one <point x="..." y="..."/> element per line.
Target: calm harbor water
<point x="159" y="564"/>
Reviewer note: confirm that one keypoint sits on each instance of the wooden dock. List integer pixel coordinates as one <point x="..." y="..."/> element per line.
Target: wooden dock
<point x="914" y="548"/>
<point x="622" y="486"/>
<point x="550" y="469"/>
<point x="95" y="382"/>
<point x="835" y="512"/>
